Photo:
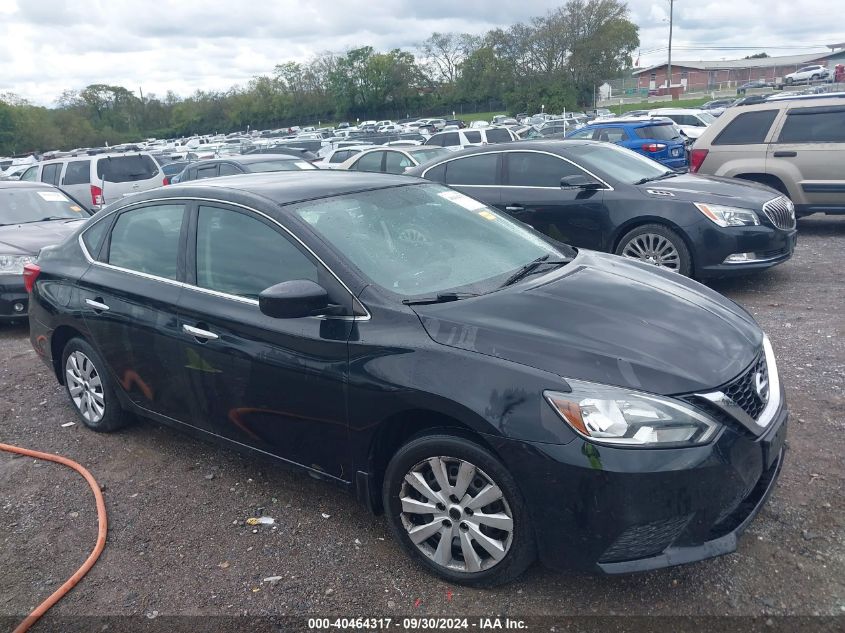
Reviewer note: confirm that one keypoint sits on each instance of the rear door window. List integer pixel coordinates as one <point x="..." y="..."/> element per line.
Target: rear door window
<point x="31" y="174"/>
<point x="665" y="132"/>
<point x="498" y="135"/>
<point x="339" y="157"/>
<point x="209" y="171"/>
<point x="126" y="168"/>
<point x="147" y="240"/>
<point x="450" y="139"/>
<point x="473" y="170"/>
<point x="814" y="125"/>
<point x="370" y="161"/>
<point x="78" y="172"/>
<point x="473" y="137"/>
<point x="227" y="169"/>
<point x="396" y="162"/>
<point x="50" y="173"/>
<point x="747" y="128"/>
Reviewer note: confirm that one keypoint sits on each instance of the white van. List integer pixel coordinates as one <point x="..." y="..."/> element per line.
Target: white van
<point x="100" y="179"/>
<point x="458" y="139"/>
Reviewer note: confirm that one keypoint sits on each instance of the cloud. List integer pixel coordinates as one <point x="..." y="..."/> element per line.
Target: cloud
<point x="48" y="46"/>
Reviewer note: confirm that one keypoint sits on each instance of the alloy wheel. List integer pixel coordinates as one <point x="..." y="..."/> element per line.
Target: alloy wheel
<point x="653" y="249"/>
<point x="85" y="387"/>
<point x="456" y="515"/>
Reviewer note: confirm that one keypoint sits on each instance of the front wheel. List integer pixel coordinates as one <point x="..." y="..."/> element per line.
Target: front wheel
<point x="658" y="245"/>
<point x="454" y="507"/>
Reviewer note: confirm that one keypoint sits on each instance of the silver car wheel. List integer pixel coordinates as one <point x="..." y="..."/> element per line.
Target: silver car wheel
<point x="456" y="515"/>
<point x="653" y="249"/>
<point x="85" y="387"/>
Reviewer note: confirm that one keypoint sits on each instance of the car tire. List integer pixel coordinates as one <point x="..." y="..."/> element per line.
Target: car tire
<point x="463" y="560"/>
<point x="659" y="245"/>
<point x="90" y="388"/>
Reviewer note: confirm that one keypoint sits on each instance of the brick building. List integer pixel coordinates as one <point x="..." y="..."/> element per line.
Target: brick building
<point x="714" y="75"/>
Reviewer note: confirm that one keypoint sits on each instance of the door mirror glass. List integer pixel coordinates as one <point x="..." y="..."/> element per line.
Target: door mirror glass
<point x="294" y="299"/>
<point x="579" y="181"/>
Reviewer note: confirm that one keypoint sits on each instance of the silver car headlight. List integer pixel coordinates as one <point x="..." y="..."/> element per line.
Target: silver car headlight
<point x="623" y="417"/>
<point x="13" y="264"/>
<point x="728" y="216"/>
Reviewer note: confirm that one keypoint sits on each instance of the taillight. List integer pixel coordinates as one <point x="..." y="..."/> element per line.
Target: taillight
<point x="166" y="181"/>
<point x="30" y="274"/>
<point x="96" y="195"/>
<point x="653" y="147"/>
<point x="696" y="158"/>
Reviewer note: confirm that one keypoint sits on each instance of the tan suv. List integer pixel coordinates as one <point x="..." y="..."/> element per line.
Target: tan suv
<point x="796" y="146"/>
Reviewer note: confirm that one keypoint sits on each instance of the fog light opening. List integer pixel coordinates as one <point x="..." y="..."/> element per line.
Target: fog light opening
<point x="740" y="258"/>
<point x="18" y="307"/>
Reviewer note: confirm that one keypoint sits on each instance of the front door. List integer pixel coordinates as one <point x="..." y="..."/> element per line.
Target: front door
<point x="532" y="194"/>
<point x="278" y="385"/>
<point x="128" y="299"/>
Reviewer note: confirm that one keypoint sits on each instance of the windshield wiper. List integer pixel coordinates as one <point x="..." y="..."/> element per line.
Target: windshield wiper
<point x="531" y="267"/>
<point x="49" y="218"/>
<point x="440" y="297"/>
<point x="663" y="176"/>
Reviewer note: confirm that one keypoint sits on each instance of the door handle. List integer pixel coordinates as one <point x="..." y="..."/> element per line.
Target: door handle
<point x="515" y="208"/>
<point x="199" y="333"/>
<point x="97" y="304"/>
<point x="785" y="154"/>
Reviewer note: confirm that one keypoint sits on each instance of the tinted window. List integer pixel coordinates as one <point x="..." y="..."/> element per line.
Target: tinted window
<point x="370" y="161"/>
<point x="50" y="173"/>
<point x="227" y="169"/>
<point x="665" y="132"/>
<point x="498" y="135"/>
<point x="224" y="236"/>
<point x="93" y="237"/>
<point x="339" y="157"/>
<point x="437" y="174"/>
<point x="126" y="168"/>
<point x="748" y="127"/>
<point x="78" y="172"/>
<point x="473" y="137"/>
<point x="450" y="139"/>
<point x="209" y="171"/>
<point x="473" y="170"/>
<point x="816" y="125"/>
<point x="529" y="169"/>
<point x="396" y="162"/>
<point x="147" y="240"/>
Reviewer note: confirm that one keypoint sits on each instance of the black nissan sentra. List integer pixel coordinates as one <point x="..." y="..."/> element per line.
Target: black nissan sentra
<point x="500" y="396"/>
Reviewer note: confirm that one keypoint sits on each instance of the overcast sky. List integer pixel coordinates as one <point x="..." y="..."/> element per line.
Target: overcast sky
<point x="47" y="46"/>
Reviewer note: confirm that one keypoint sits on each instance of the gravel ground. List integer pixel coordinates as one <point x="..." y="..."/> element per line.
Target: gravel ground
<point x="178" y="544"/>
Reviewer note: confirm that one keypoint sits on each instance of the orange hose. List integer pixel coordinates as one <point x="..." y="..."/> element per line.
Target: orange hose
<point x="70" y="583"/>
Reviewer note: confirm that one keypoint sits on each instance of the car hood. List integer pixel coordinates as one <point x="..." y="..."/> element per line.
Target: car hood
<point x="604" y="319"/>
<point x="28" y="239"/>
<point x="713" y="189"/>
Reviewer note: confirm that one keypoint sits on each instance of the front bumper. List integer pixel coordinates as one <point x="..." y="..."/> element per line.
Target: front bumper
<point x="714" y="244"/>
<point x="612" y="510"/>
<point x="12" y="293"/>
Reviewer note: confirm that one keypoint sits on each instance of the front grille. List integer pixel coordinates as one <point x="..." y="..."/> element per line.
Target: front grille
<point x="780" y="212"/>
<point x="744" y="390"/>
<point x="646" y="539"/>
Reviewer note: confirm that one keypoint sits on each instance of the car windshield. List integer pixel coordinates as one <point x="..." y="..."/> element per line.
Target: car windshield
<point x="614" y="162"/>
<point x="706" y="117"/>
<point x="22" y="205"/>
<point x="426" y="239"/>
<point x="279" y="165"/>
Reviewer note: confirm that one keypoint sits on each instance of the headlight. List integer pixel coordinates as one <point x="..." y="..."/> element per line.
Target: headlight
<point x="613" y="415"/>
<point x="13" y="264"/>
<point x="728" y="216"/>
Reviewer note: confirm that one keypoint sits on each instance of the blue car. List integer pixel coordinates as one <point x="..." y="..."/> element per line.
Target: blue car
<point x="655" y="138"/>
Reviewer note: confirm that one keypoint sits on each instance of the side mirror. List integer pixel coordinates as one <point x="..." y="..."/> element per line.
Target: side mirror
<point x="579" y="181"/>
<point x="293" y="299"/>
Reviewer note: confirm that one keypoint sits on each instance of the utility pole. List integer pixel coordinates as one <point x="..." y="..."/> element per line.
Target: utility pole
<point x="669" y="69"/>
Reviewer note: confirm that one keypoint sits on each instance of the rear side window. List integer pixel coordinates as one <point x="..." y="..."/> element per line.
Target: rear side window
<point x="473" y="170"/>
<point x="814" y="125"/>
<point x="50" y="173"/>
<point x="747" y="128"/>
<point x="666" y="132"/>
<point x="93" y="237"/>
<point x="147" y="240"/>
<point x="612" y="135"/>
<point x="126" y="168"/>
<point x="498" y="135"/>
<point x="78" y="172"/>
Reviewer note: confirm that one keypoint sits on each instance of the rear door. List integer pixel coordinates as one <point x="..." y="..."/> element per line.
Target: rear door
<point x="477" y="176"/>
<point x="532" y="194"/>
<point x="809" y="146"/>
<point x="77" y="181"/>
<point x="128" y="299"/>
<point x="119" y="176"/>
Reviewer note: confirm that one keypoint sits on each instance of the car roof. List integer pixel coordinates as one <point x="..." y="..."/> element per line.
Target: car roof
<point x="286" y="187"/>
<point x="556" y="146"/>
<point x="26" y="184"/>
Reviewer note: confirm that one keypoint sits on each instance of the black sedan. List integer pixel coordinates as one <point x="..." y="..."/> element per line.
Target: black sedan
<point x="242" y="164"/>
<point x="604" y="197"/>
<point x="499" y="395"/>
<point x="32" y="215"/>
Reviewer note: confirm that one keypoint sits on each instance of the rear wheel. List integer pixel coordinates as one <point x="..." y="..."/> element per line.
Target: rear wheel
<point x="658" y="245"/>
<point x="90" y="388"/>
<point x="454" y="507"/>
